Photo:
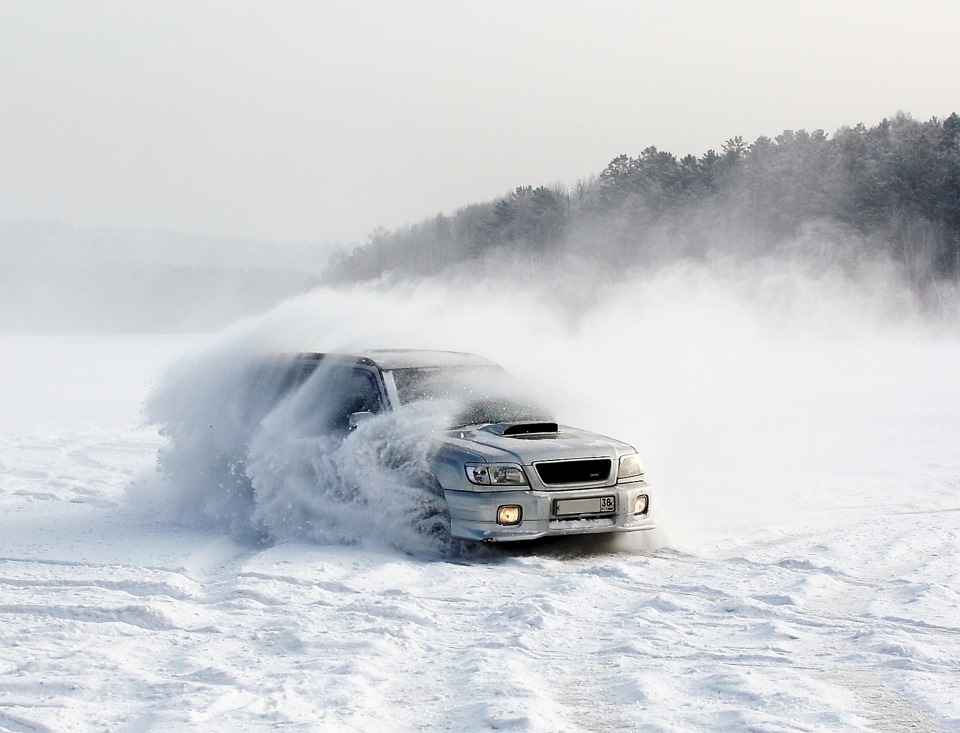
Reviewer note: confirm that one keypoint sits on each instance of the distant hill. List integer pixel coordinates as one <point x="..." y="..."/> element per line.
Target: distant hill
<point x="58" y="242"/>
<point x="58" y="278"/>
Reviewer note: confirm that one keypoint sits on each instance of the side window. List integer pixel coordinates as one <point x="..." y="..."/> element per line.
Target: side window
<point x="351" y="390"/>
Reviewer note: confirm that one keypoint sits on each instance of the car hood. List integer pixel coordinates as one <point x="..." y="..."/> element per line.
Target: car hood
<point x="495" y="443"/>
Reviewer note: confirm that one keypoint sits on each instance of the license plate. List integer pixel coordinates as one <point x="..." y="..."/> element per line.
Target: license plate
<point x="595" y="505"/>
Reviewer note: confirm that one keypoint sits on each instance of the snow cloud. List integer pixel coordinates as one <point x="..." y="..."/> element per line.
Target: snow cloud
<point x="741" y="384"/>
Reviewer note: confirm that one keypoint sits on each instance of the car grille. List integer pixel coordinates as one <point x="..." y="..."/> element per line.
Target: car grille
<point x="586" y="471"/>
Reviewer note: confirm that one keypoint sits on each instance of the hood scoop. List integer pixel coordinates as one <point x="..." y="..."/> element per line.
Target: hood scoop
<point x="523" y="428"/>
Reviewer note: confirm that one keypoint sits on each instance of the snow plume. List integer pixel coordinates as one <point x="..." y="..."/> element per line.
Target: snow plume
<point x="250" y="454"/>
<point x="740" y="384"/>
<point x="372" y="485"/>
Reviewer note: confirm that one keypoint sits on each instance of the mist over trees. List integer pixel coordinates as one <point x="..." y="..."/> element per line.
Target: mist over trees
<point x="891" y="190"/>
<point x="840" y="203"/>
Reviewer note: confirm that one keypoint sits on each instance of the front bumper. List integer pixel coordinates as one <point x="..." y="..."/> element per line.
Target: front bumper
<point x="473" y="514"/>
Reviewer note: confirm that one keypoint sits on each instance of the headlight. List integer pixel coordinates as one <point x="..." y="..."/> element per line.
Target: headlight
<point x="631" y="466"/>
<point x="496" y="474"/>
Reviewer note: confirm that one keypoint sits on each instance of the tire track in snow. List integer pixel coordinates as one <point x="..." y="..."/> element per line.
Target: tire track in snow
<point x="15" y="724"/>
<point x="842" y="612"/>
<point x="87" y="464"/>
<point x="812" y="641"/>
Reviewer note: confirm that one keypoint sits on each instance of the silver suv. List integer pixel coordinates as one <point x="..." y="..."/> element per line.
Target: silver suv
<point x="505" y="470"/>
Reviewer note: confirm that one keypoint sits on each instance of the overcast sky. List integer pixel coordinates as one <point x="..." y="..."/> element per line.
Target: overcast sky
<point x="321" y="120"/>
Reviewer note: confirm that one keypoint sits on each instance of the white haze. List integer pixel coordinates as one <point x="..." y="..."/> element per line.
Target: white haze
<point x="742" y="386"/>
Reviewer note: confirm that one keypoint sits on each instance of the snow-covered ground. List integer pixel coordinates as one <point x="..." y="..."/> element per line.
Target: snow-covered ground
<point x="806" y="575"/>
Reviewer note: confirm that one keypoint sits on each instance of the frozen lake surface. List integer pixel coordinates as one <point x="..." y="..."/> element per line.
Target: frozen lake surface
<point x="805" y="576"/>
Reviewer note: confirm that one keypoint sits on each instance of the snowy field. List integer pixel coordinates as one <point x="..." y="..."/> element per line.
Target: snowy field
<point x="805" y="575"/>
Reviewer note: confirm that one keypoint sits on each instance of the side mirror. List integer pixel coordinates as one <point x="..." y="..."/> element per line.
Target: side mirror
<point x="358" y="417"/>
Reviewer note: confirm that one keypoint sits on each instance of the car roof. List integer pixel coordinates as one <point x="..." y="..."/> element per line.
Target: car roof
<point x="389" y="359"/>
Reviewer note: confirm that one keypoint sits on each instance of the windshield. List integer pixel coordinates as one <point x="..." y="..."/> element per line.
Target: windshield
<point x="477" y="394"/>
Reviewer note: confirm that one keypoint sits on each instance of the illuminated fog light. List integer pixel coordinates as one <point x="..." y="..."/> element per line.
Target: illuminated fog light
<point x="511" y="514"/>
<point x="631" y="466"/>
<point x="640" y="504"/>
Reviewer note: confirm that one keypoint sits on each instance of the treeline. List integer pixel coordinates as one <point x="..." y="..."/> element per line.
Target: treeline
<point x="893" y="188"/>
